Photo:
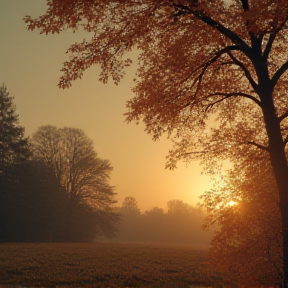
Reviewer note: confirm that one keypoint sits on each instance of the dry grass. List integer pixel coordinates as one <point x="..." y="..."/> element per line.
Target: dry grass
<point x="103" y="265"/>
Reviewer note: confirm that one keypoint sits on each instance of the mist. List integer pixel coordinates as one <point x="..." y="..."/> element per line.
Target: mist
<point x="178" y="223"/>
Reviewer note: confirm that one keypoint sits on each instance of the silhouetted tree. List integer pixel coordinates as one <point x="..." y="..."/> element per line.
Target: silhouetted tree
<point x="14" y="150"/>
<point x="81" y="174"/>
<point x="130" y="207"/>
<point x="13" y="144"/>
<point x="155" y="212"/>
<point x="178" y="207"/>
<point x="131" y="228"/>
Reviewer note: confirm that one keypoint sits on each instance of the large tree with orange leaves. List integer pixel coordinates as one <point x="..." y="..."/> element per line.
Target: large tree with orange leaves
<point x="199" y="60"/>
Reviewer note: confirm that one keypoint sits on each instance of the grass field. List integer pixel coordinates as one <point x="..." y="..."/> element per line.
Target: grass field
<point x="104" y="265"/>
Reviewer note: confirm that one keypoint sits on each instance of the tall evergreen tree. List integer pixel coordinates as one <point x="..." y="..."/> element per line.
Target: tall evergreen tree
<point x="14" y="150"/>
<point x="13" y="144"/>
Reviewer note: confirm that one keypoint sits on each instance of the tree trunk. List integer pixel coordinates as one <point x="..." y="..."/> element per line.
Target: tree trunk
<point x="279" y="164"/>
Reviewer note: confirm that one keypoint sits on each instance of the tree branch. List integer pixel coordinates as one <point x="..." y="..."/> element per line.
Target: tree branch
<point x="209" y="62"/>
<point x="269" y="45"/>
<point x="243" y="46"/>
<point x="258" y="145"/>
<point x="229" y="95"/>
<point x="245" y="70"/>
<point x="279" y="73"/>
<point x="245" y="4"/>
<point x="270" y="257"/>
<point x="272" y="37"/>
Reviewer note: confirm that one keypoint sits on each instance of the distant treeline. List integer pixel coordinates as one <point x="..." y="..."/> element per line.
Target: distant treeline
<point x="181" y="224"/>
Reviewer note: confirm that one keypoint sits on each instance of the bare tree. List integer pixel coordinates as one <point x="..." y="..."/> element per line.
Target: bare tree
<point x="80" y="173"/>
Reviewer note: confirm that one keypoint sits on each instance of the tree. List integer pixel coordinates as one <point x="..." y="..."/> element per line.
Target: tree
<point x="155" y="213"/>
<point x="13" y="145"/>
<point x="199" y="60"/>
<point x="80" y="173"/>
<point x="131" y="228"/>
<point x="130" y="206"/>
<point x="178" y="207"/>
<point x="14" y="150"/>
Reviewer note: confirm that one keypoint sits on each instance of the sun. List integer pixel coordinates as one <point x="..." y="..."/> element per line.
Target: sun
<point x="231" y="203"/>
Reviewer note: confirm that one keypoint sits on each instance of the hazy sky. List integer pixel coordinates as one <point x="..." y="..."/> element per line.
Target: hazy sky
<point x="30" y="67"/>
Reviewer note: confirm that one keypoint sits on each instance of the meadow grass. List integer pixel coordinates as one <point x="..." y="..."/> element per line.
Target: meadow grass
<point x="104" y="265"/>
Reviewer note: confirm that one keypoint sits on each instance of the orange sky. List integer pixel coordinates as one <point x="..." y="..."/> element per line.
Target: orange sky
<point x="29" y="67"/>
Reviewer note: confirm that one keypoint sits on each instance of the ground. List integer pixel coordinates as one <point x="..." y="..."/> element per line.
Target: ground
<point x="104" y="265"/>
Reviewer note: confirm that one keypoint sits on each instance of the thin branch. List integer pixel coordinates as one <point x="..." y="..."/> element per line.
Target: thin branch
<point x="272" y="37"/>
<point x="269" y="45"/>
<point x="245" y="70"/>
<point x="279" y="73"/>
<point x="258" y="145"/>
<point x="270" y="257"/>
<point x="229" y="95"/>
<point x="194" y="152"/>
<point x="208" y="63"/>
<point x="245" y="5"/>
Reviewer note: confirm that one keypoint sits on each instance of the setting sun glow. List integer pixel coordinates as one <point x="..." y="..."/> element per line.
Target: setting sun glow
<point x="232" y="203"/>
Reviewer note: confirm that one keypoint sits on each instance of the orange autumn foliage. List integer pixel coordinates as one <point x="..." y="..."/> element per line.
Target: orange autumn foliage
<point x="194" y="55"/>
<point x="194" y="59"/>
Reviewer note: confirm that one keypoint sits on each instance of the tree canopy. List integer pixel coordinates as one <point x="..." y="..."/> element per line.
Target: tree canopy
<point x="79" y="171"/>
<point x="197" y="61"/>
<point x="82" y="176"/>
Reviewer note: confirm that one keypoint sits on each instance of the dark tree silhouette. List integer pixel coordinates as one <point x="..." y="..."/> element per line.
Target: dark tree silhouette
<point x="14" y="150"/>
<point x="83" y="177"/>
<point x="13" y="144"/>
<point x="130" y="206"/>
